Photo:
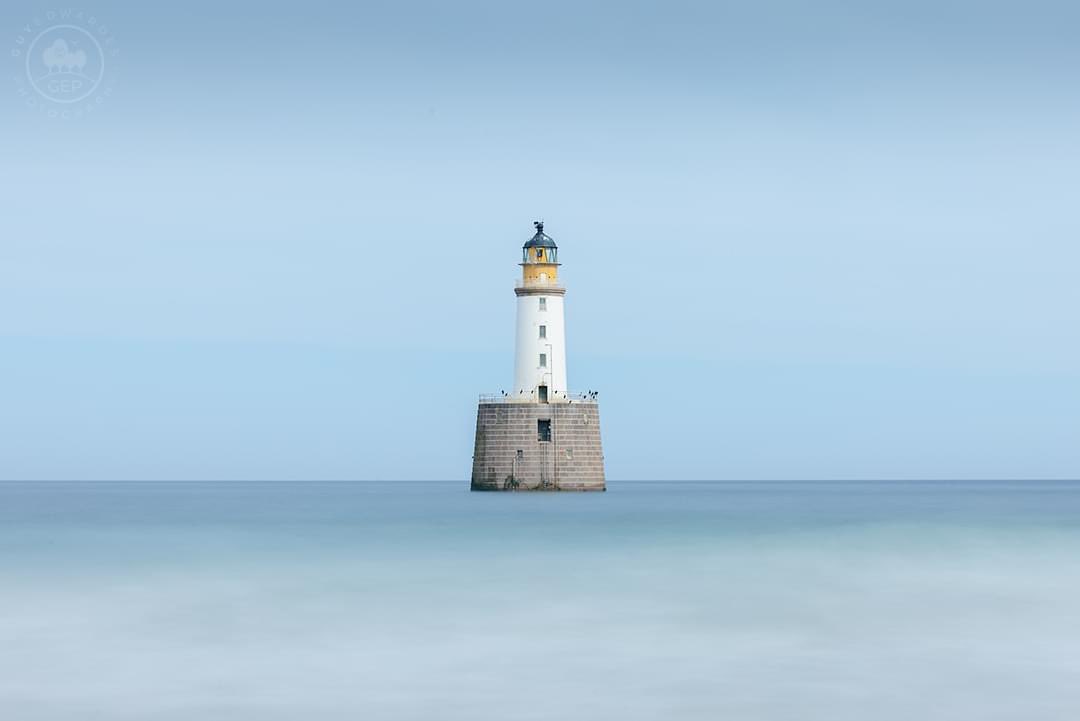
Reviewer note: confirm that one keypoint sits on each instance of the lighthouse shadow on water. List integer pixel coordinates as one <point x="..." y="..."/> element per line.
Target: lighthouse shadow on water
<point x="539" y="436"/>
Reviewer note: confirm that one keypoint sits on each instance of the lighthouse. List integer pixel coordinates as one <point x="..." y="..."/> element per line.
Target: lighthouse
<point x="540" y="341"/>
<point x="538" y="435"/>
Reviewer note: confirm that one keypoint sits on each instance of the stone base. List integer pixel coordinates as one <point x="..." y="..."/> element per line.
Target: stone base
<point x="509" y="455"/>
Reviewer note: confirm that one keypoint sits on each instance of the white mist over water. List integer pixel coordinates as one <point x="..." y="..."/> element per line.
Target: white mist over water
<point x="419" y="601"/>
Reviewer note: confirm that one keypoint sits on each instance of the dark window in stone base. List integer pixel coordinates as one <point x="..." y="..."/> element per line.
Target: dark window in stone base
<point x="543" y="430"/>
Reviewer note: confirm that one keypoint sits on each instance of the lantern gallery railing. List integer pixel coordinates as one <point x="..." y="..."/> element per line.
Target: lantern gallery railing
<point x="530" y="397"/>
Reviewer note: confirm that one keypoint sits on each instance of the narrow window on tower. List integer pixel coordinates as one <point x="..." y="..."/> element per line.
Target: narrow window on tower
<point x="543" y="304"/>
<point x="543" y="430"/>
<point x="543" y="360"/>
<point x="543" y="331"/>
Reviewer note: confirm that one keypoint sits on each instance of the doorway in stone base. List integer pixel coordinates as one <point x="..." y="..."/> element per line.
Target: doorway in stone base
<point x="541" y="391"/>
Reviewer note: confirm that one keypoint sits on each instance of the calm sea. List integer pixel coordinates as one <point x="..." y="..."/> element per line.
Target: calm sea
<point x="742" y="601"/>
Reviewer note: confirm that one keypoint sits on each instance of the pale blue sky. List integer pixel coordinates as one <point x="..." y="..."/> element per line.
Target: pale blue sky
<point x="802" y="240"/>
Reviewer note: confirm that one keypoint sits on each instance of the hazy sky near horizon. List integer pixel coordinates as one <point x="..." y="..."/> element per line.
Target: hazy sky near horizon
<point x="801" y="240"/>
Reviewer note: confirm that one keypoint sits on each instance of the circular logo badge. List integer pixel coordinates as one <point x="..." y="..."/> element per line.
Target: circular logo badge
<point x="65" y="58"/>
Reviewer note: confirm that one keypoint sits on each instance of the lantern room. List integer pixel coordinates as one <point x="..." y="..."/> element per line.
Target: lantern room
<point x="540" y="248"/>
<point x="539" y="258"/>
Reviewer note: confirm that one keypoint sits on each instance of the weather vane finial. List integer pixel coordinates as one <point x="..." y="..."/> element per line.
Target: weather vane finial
<point x="539" y="225"/>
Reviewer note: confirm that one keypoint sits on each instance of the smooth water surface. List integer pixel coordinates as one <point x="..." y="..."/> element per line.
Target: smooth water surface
<point x="831" y="601"/>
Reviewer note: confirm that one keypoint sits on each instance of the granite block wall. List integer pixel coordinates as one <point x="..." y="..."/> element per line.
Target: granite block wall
<point x="509" y="454"/>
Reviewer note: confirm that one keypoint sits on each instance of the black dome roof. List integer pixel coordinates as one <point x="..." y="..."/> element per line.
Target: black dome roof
<point x="541" y="239"/>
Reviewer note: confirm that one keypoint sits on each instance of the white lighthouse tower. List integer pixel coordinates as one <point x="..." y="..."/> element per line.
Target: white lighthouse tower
<point x="539" y="435"/>
<point x="540" y="350"/>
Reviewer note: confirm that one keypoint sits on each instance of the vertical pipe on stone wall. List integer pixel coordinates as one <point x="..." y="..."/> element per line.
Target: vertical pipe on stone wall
<point x="543" y="461"/>
<point x="555" y="444"/>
